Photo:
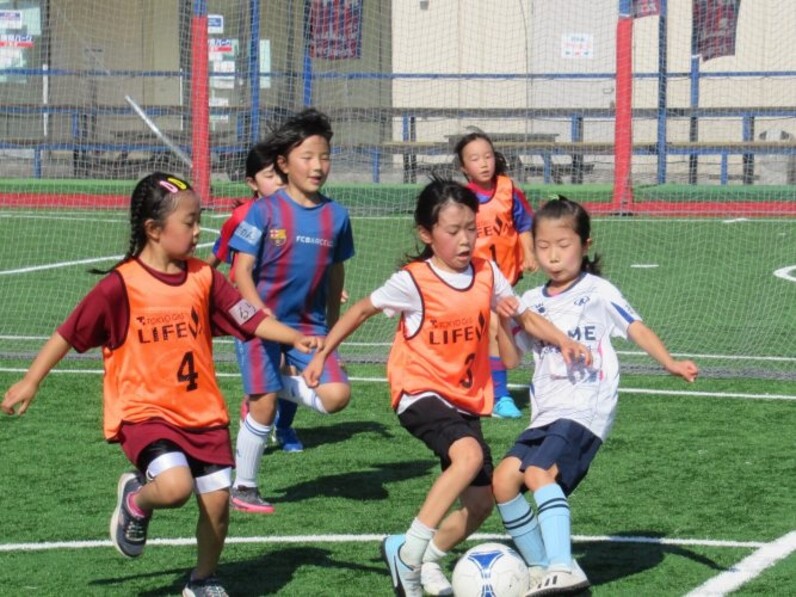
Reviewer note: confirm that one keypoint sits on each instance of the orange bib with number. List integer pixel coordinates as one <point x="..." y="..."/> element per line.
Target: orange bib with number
<point x="449" y="353"/>
<point x="164" y="368"/>
<point x="498" y="239"/>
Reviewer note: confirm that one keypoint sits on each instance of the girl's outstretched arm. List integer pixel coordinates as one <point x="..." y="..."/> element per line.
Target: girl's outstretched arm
<point x="541" y="328"/>
<point x="276" y="331"/>
<point x="650" y="343"/>
<point x="22" y="393"/>
<point x="356" y="315"/>
<point x="509" y="353"/>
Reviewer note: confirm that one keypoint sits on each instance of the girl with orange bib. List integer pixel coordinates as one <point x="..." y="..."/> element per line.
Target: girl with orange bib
<point x="504" y="235"/>
<point x="155" y="315"/>
<point x="439" y="374"/>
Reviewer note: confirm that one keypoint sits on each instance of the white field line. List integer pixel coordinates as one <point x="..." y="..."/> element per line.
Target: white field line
<point x="66" y="218"/>
<point x="638" y="353"/>
<point x="62" y="264"/>
<point x="622" y="390"/>
<point x="513" y="385"/>
<point x="367" y="538"/>
<point x="747" y="569"/>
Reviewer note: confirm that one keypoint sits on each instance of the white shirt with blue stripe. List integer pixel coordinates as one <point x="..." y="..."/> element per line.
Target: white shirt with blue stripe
<point x="591" y="311"/>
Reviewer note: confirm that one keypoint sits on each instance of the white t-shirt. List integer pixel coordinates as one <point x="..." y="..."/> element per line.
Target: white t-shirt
<point x="399" y="295"/>
<point x="591" y="311"/>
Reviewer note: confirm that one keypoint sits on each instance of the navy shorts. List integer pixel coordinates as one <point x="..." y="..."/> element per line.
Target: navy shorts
<point x="439" y="426"/>
<point x="567" y="444"/>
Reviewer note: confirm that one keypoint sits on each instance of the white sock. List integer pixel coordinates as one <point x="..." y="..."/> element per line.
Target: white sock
<point x="296" y="390"/>
<point x="417" y="539"/>
<point x="433" y="553"/>
<point x="249" y="451"/>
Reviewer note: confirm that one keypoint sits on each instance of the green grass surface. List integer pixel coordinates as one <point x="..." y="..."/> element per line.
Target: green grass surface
<point x="691" y="467"/>
<point x="683" y="468"/>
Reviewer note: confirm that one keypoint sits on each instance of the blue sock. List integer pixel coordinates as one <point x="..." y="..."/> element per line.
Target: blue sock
<point x="523" y="527"/>
<point x="554" y="521"/>
<point x="285" y="413"/>
<point x="500" y="377"/>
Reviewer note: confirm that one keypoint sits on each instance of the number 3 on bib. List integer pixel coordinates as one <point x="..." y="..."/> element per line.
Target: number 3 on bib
<point x="467" y="380"/>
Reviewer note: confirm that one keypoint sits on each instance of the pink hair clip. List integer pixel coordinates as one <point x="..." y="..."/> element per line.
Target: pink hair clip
<point x="168" y="186"/>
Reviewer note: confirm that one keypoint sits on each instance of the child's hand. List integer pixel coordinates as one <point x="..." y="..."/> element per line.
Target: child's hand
<point x="307" y="344"/>
<point x="19" y="395"/>
<point x="685" y="369"/>
<point x="507" y="307"/>
<point x="575" y="352"/>
<point x="312" y="372"/>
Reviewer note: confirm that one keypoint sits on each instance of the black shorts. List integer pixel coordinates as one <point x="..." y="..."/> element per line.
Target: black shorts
<point x="568" y="445"/>
<point x="438" y="426"/>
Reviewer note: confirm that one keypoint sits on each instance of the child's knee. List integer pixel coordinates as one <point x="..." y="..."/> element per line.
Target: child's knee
<point x="536" y="477"/>
<point x="506" y="481"/>
<point x="262" y="408"/>
<point x="468" y="454"/>
<point x="334" y="396"/>
<point x="174" y="487"/>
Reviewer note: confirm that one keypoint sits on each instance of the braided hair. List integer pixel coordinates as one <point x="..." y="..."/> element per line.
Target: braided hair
<point x="152" y="199"/>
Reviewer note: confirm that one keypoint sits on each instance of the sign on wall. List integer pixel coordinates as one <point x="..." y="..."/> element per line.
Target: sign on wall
<point x="715" y="22"/>
<point x="335" y="29"/>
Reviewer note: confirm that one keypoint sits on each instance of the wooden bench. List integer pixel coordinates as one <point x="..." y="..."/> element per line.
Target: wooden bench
<point x="746" y="149"/>
<point x="114" y="159"/>
<point x="577" y="150"/>
<point x="550" y="171"/>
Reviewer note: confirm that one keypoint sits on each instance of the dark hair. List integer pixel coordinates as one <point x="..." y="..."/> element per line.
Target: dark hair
<point x="434" y="196"/>
<point x="294" y="131"/>
<point x="259" y="158"/>
<point x="559" y="208"/>
<point x="153" y="198"/>
<point x="501" y="166"/>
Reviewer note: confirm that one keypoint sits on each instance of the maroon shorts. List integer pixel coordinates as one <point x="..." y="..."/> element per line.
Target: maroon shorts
<point x="211" y="446"/>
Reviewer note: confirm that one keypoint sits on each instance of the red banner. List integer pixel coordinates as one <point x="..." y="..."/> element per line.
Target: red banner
<point x="646" y="8"/>
<point x="335" y="29"/>
<point x="714" y="27"/>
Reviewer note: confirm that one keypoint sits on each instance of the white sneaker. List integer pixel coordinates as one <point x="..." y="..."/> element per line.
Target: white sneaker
<point x="535" y="575"/>
<point x="560" y="581"/>
<point x="433" y="580"/>
<point x="405" y="579"/>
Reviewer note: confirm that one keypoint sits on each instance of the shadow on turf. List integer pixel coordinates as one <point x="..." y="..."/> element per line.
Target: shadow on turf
<point x="605" y="562"/>
<point x="361" y="485"/>
<point x="265" y="575"/>
<point x="324" y="435"/>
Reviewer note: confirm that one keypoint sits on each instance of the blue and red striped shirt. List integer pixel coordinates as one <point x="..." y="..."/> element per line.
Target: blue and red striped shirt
<point x="294" y="248"/>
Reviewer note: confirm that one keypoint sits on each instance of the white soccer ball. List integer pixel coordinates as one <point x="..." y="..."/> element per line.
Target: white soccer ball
<point x="490" y="570"/>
